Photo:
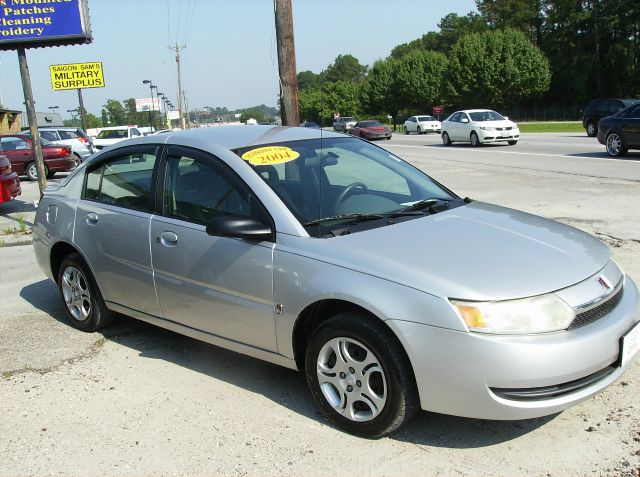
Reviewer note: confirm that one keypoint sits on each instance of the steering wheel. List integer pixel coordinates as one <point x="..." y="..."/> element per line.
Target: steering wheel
<point x="349" y="189"/>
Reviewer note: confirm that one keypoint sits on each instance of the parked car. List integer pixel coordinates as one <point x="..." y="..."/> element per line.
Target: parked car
<point x="9" y="181"/>
<point x="343" y="124"/>
<point x="371" y="130"/>
<point x="18" y="148"/>
<point x="621" y="132"/>
<point x="309" y="124"/>
<point x="112" y="135"/>
<point x="479" y="126"/>
<point x="81" y="144"/>
<point x="422" y="124"/>
<point x="596" y="109"/>
<point x="326" y="253"/>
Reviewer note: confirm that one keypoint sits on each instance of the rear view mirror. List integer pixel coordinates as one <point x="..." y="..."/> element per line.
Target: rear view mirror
<point x="465" y="120"/>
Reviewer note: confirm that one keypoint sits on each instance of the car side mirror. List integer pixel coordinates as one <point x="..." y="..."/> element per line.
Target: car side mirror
<point x="465" y="120"/>
<point x="238" y="226"/>
<point x="506" y="117"/>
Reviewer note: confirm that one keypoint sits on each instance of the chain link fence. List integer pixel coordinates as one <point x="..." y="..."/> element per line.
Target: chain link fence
<point x="549" y="113"/>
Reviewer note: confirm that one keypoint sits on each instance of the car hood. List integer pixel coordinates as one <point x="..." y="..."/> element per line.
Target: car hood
<point x="477" y="251"/>
<point x="496" y="124"/>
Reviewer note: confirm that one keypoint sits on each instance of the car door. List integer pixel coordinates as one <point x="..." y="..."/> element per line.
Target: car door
<point x="112" y="226"/>
<point x="453" y="126"/>
<point x="630" y="126"/>
<point x="219" y="285"/>
<point x="18" y="151"/>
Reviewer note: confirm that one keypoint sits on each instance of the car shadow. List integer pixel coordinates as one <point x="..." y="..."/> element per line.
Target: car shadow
<point x="283" y="386"/>
<point x="630" y="156"/>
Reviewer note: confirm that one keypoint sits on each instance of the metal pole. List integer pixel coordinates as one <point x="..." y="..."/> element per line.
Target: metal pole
<point x="83" y="117"/>
<point x="287" y="63"/>
<point x="180" y="107"/>
<point x="151" y="115"/>
<point x="31" y="115"/>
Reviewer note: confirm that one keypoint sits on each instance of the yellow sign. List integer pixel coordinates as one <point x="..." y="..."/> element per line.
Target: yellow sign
<point x="270" y="155"/>
<point x="76" y="76"/>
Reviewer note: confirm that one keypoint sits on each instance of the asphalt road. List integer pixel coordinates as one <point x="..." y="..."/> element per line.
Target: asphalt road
<point x="139" y="400"/>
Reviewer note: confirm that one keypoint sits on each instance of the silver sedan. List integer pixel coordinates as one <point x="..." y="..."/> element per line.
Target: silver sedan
<point x="325" y="253"/>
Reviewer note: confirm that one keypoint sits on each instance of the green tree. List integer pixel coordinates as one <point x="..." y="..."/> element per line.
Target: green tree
<point x="340" y="97"/>
<point x="379" y="94"/>
<point x="496" y="69"/>
<point x="345" y="68"/>
<point x="134" y="117"/>
<point x="255" y="114"/>
<point x="93" y="121"/>
<point x="418" y="76"/>
<point x="310" y="103"/>
<point x="309" y="79"/>
<point x="115" y="112"/>
<point x="524" y="15"/>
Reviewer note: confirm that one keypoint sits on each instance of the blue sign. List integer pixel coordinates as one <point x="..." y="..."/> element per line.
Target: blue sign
<point x="33" y="23"/>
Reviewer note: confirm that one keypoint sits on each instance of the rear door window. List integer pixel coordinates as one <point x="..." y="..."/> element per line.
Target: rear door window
<point x="68" y="134"/>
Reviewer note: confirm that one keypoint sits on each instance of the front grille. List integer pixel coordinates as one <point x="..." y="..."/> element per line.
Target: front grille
<point x="509" y="128"/>
<point x="554" y="391"/>
<point x="597" y="312"/>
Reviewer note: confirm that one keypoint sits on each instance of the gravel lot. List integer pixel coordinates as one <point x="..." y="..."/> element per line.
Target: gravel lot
<point x="139" y="400"/>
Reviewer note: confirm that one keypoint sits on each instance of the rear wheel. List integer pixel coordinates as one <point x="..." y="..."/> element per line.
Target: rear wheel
<point x="475" y="141"/>
<point x="32" y="171"/>
<point x="359" y="375"/>
<point x="84" y="305"/>
<point x="445" y="139"/>
<point x="592" y="129"/>
<point x="615" y="146"/>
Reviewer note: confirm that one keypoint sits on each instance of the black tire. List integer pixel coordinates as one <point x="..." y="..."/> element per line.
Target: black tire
<point x="50" y="174"/>
<point x="615" y="145"/>
<point x="592" y="129"/>
<point x="406" y="131"/>
<point x="31" y="171"/>
<point x="419" y="131"/>
<point x="446" y="140"/>
<point x="76" y="283"/>
<point x="77" y="159"/>
<point x="475" y="141"/>
<point x="513" y="143"/>
<point x="395" y="380"/>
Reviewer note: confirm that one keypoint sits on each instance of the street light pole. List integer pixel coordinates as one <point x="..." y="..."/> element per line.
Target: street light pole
<point x="151" y="106"/>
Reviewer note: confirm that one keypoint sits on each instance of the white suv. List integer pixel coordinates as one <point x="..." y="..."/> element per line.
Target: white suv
<point x="108" y="136"/>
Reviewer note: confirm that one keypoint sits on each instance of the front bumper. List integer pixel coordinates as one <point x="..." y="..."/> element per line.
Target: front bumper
<point x="466" y="374"/>
<point x="497" y="136"/>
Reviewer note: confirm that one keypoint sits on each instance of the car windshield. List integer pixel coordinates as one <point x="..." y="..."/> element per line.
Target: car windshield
<point x="486" y="116"/>
<point x="337" y="181"/>
<point x="112" y="134"/>
<point x="370" y="124"/>
<point x="348" y="119"/>
<point x="43" y="141"/>
<point x="426" y="118"/>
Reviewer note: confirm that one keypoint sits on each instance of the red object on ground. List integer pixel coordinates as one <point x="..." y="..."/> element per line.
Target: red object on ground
<point x="9" y="182"/>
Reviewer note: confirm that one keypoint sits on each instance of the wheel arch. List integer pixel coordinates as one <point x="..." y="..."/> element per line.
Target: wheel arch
<point x="317" y="312"/>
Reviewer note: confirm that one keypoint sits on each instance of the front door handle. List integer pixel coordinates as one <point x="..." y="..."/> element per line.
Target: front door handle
<point x="92" y="218"/>
<point x="168" y="239"/>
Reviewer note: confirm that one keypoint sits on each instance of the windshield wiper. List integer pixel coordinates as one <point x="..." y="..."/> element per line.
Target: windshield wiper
<point x="349" y="217"/>
<point x="421" y="205"/>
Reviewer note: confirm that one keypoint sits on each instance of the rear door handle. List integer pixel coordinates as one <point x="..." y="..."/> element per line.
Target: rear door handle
<point x="168" y="239"/>
<point x="92" y="218"/>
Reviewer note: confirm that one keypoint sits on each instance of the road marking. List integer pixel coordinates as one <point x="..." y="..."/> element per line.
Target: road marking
<point x="628" y="161"/>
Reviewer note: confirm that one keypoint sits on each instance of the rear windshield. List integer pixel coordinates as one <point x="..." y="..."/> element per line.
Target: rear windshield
<point x="112" y="134"/>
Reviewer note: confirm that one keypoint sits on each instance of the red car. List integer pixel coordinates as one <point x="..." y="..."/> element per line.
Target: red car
<point x="18" y="148"/>
<point x="9" y="182"/>
<point x="371" y="130"/>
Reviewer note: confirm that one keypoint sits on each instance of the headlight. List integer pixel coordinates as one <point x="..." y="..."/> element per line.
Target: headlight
<point x="487" y="128"/>
<point x="540" y="314"/>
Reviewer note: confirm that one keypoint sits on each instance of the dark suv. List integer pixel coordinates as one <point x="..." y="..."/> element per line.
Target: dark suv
<point x="597" y="109"/>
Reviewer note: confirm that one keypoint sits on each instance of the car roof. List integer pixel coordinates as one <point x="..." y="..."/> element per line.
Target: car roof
<point x="117" y="128"/>
<point x="475" y="110"/>
<point x="233" y="137"/>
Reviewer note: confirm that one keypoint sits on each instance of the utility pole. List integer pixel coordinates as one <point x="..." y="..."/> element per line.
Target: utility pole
<point x="83" y="112"/>
<point x="180" y="108"/>
<point x="287" y="63"/>
<point x="31" y="115"/>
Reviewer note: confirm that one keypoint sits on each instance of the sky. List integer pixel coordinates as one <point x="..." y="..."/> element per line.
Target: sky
<point x="230" y="57"/>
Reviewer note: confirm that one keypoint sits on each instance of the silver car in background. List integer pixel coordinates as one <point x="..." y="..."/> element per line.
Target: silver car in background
<point x="81" y="144"/>
<point x="328" y="254"/>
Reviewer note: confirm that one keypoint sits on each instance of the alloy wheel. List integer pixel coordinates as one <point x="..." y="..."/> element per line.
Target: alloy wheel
<point x="614" y="144"/>
<point x="351" y="379"/>
<point x="77" y="294"/>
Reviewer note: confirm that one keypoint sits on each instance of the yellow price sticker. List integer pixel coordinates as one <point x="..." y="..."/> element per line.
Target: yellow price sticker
<point x="270" y="155"/>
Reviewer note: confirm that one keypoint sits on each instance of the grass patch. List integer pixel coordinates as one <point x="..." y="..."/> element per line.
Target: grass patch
<point x="21" y="229"/>
<point x="560" y="127"/>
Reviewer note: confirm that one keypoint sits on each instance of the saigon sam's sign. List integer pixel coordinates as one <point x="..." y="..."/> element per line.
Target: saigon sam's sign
<point x="34" y="23"/>
<point x="77" y="76"/>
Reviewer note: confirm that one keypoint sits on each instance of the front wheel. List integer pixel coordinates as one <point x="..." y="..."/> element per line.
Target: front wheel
<point x="359" y="375"/>
<point x="615" y="146"/>
<point x="512" y="143"/>
<point x="406" y="131"/>
<point x="419" y="131"/>
<point x="475" y="141"/>
<point x="84" y="305"/>
<point x="445" y="139"/>
<point x="32" y="171"/>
